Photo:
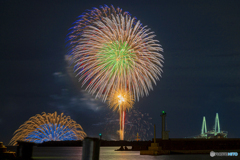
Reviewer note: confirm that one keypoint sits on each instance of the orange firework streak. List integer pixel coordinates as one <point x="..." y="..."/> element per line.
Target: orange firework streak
<point x="121" y="117"/>
<point x="121" y="123"/>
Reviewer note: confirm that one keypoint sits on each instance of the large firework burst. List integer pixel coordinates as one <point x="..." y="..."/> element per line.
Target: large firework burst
<point x="48" y="127"/>
<point x="112" y="51"/>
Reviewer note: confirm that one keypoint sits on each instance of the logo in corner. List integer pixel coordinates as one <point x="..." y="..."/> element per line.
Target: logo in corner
<point x="212" y="153"/>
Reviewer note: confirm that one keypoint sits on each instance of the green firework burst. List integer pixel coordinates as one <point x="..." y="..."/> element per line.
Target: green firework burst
<point x="116" y="56"/>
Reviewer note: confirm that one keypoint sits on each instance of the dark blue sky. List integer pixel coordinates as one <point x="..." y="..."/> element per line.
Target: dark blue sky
<point x="201" y="68"/>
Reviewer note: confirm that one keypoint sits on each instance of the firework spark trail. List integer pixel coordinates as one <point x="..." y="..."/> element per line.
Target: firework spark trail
<point x="48" y="127"/>
<point x="123" y="124"/>
<point x="113" y="51"/>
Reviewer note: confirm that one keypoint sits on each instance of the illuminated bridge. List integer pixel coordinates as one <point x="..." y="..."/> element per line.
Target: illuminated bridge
<point x="214" y="133"/>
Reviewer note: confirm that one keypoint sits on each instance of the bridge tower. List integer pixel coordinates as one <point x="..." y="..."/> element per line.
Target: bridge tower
<point x="204" y="126"/>
<point x="217" y="125"/>
<point x="215" y="132"/>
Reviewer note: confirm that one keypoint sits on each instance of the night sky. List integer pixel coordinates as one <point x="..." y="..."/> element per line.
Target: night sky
<point x="200" y="74"/>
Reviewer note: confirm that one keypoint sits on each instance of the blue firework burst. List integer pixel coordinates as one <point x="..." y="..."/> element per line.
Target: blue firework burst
<point x="48" y="127"/>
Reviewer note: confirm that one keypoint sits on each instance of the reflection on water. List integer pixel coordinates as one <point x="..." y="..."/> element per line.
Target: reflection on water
<point x="108" y="153"/>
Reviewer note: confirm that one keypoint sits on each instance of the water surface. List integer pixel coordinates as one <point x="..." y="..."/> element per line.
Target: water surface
<point x="108" y="153"/>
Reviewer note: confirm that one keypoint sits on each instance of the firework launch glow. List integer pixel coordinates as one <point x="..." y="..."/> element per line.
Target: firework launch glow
<point x="111" y="51"/>
<point x="48" y="127"/>
<point x="120" y="99"/>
